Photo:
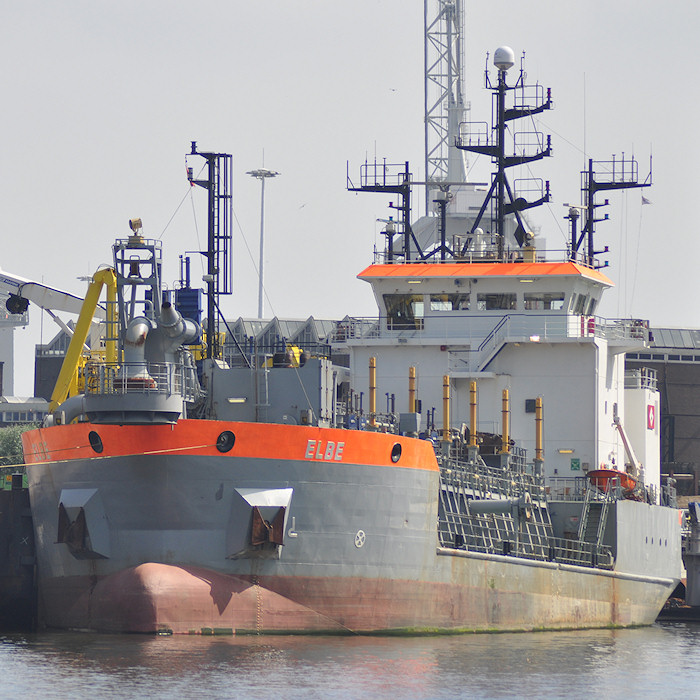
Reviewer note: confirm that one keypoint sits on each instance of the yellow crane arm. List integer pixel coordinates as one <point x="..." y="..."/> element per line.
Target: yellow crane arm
<point x="69" y="368"/>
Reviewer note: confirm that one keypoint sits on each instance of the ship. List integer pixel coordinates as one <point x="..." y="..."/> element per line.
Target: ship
<point x="190" y="481"/>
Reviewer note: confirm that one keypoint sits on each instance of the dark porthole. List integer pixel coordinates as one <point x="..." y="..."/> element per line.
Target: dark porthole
<point x="396" y="452"/>
<point x="225" y="441"/>
<point x="95" y="441"/>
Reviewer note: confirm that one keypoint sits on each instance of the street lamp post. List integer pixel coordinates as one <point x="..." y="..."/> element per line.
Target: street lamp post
<point x="261" y="174"/>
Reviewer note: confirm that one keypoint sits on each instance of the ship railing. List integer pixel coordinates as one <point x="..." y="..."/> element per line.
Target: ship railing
<point x="624" y="329"/>
<point x="489" y="253"/>
<point x="642" y="378"/>
<point x="566" y="488"/>
<point x="669" y="494"/>
<point x="168" y="378"/>
<point x="485" y="537"/>
<point x="518" y="458"/>
<point x="579" y="488"/>
<point x="482" y="481"/>
<point x="458" y="460"/>
<point x="354" y="419"/>
<point x="355" y="328"/>
<point x="535" y="328"/>
<point x="492" y="342"/>
<point x="485" y="334"/>
<point x="249" y="353"/>
<point x="381" y="174"/>
<point x="580" y="553"/>
<point x="482" y="486"/>
<point x="489" y="445"/>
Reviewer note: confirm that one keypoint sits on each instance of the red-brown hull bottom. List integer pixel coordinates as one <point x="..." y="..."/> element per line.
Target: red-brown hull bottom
<point x="183" y="600"/>
<point x="153" y="598"/>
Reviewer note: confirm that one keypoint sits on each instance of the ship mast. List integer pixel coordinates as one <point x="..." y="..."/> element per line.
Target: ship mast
<point x="528" y="101"/>
<point x="444" y="162"/>
<point x="444" y="104"/>
<point x="218" y="184"/>
<point x="617" y="174"/>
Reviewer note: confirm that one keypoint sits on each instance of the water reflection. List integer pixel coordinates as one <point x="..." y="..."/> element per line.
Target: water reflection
<point x="661" y="661"/>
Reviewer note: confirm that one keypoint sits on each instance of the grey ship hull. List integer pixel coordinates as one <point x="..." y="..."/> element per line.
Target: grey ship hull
<point x="159" y="540"/>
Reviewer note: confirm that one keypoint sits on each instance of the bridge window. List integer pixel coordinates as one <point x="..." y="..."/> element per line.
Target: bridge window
<point x="544" y="301"/>
<point x="449" y="302"/>
<point x="404" y="310"/>
<point x="580" y="304"/>
<point x="491" y="302"/>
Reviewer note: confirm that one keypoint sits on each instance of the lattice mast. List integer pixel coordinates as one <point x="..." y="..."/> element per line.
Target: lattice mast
<point x="444" y="104"/>
<point x="219" y="278"/>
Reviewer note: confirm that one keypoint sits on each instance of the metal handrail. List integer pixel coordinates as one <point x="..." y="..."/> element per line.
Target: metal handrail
<point x="515" y="326"/>
<point x="485" y="538"/>
<point x="166" y="378"/>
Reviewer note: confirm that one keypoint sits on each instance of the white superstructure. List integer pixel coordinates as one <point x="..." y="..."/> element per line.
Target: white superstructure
<point x="526" y="327"/>
<point x="467" y="295"/>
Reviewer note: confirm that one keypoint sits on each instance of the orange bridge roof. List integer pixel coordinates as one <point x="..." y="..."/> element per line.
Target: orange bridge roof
<point x="484" y="269"/>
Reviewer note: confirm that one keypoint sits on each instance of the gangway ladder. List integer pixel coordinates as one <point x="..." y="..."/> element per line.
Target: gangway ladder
<point x="536" y="531"/>
<point x="262" y="392"/>
<point x="494" y="342"/>
<point x="595" y="514"/>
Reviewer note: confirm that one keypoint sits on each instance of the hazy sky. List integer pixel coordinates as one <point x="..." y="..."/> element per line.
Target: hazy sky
<point x="101" y="101"/>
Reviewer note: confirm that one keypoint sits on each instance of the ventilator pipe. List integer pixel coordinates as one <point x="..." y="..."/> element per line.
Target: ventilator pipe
<point x="67" y="412"/>
<point x="446" y="437"/>
<point x="135" y="348"/>
<point x="411" y="389"/>
<point x="472" y="414"/>
<point x="505" y="444"/>
<point x="180" y="330"/>
<point x="539" y="430"/>
<point x="373" y="392"/>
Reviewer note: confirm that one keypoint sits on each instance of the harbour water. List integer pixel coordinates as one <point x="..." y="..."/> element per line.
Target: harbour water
<point x="662" y="661"/>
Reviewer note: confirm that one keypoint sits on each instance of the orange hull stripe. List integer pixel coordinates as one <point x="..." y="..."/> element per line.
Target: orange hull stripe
<point x="252" y="440"/>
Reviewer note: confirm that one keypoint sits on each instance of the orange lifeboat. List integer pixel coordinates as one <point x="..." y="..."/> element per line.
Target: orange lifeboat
<point x="602" y="478"/>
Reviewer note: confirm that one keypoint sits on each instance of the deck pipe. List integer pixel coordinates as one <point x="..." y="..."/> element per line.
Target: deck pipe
<point x="72" y="408"/>
<point x="472" y="414"/>
<point x="539" y="431"/>
<point x="539" y="435"/>
<point x="373" y="392"/>
<point x="411" y="389"/>
<point x="505" y="411"/>
<point x="446" y="437"/>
